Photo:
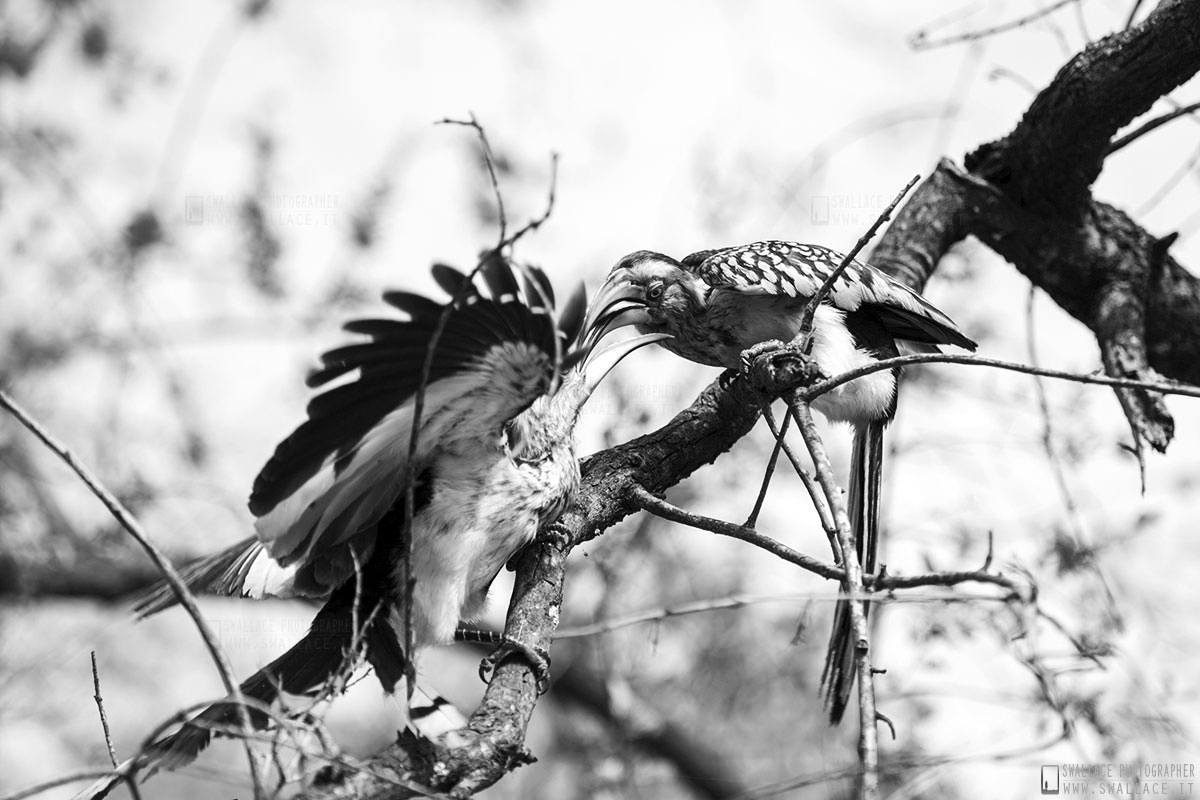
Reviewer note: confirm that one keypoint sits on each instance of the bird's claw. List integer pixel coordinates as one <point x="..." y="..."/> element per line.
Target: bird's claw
<point x="773" y="363"/>
<point x="753" y="355"/>
<point x="538" y="659"/>
<point x="726" y="378"/>
<point x="557" y="536"/>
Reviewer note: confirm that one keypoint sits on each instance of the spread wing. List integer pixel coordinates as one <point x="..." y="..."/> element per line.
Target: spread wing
<point x="318" y="500"/>
<point x="798" y="270"/>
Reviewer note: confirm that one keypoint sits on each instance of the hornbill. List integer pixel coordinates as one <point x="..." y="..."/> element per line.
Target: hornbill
<point x="494" y="462"/>
<point x="718" y="304"/>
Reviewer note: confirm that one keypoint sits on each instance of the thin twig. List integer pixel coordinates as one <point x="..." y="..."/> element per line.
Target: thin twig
<point x="108" y="742"/>
<point x="74" y="777"/>
<point x="1163" y="387"/>
<point x="538" y="221"/>
<point x="1145" y="128"/>
<point x="1056" y="463"/>
<point x="1083" y="31"/>
<point x="185" y="124"/>
<point x="134" y="528"/>
<point x="126" y="772"/>
<point x="642" y="498"/>
<point x="920" y="40"/>
<point x="1137" y="4"/>
<point x="327" y="752"/>
<point x="810" y="308"/>
<point x="1169" y="184"/>
<point x="868" y="741"/>
<point x="356" y="632"/>
<point x="807" y="479"/>
<point x="645" y="500"/>
<point x="1013" y="77"/>
<point x="752" y="519"/>
<point x="895" y="766"/>
<point x="810" y="485"/>
<point x="489" y="162"/>
<point x="982" y="575"/>
<point x="778" y="433"/>
<point x="658" y="615"/>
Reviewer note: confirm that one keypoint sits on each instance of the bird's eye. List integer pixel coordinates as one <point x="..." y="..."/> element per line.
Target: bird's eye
<point x="654" y="291"/>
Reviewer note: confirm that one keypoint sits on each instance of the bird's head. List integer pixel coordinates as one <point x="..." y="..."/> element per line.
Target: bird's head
<point x="647" y="290"/>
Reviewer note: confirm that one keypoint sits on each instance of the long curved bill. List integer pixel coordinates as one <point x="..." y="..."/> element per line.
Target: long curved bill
<point x="599" y="361"/>
<point x="617" y="303"/>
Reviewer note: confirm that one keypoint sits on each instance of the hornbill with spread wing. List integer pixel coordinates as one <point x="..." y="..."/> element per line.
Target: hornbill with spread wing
<point x="717" y="304"/>
<point x="494" y="463"/>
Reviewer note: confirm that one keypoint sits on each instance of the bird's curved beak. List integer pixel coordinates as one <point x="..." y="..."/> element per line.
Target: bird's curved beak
<point x="599" y="361"/>
<point x="617" y="303"/>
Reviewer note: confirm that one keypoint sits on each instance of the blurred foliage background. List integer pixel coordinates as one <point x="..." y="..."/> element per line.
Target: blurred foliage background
<point x="194" y="196"/>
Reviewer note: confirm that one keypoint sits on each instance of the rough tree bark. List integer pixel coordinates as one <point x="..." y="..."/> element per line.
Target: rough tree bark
<point x="1027" y="196"/>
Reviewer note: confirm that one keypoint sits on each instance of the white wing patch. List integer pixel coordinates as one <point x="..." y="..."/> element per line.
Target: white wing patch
<point x="332" y="506"/>
<point x="266" y="578"/>
<point x="861" y="400"/>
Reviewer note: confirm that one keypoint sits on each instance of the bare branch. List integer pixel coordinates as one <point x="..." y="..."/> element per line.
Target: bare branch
<point x="1052" y="455"/>
<point x="661" y="508"/>
<point x="112" y="753"/>
<point x="1133" y="10"/>
<point x="868" y="737"/>
<point x="1161" y="387"/>
<point x="810" y="308"/>
<point x="921" y="41"/>
<point x="1169" y="185"/>
<point x="489" y="161"/>
<point x="778" y="433"/>
<point x="74" y="777"/>
<point x="737" y="601"/>
<point x="134" y="528"/>
<point x="1145" y="128"/>
<point x="806" y="478"/>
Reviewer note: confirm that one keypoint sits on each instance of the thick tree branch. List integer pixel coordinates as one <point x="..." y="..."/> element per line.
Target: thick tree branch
<point x="1027" y="196"/>
<point x="1050" y="160"/>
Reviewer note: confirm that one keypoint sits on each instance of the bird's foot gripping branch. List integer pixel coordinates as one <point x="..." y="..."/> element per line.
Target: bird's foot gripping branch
<point x="772" y="364"/>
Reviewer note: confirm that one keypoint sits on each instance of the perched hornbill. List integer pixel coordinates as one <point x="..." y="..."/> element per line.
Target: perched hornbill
<point x="716" y="304"/>
<point x="494" y="462"/>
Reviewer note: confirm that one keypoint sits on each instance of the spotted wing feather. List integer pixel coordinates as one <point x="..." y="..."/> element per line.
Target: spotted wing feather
<point x="798" y="270"/>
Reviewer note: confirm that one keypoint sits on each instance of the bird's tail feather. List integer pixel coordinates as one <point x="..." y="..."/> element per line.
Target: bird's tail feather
<point x="866" y="467"/>
<point x="430" y="715"/>
<point x="220" y="573"/>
